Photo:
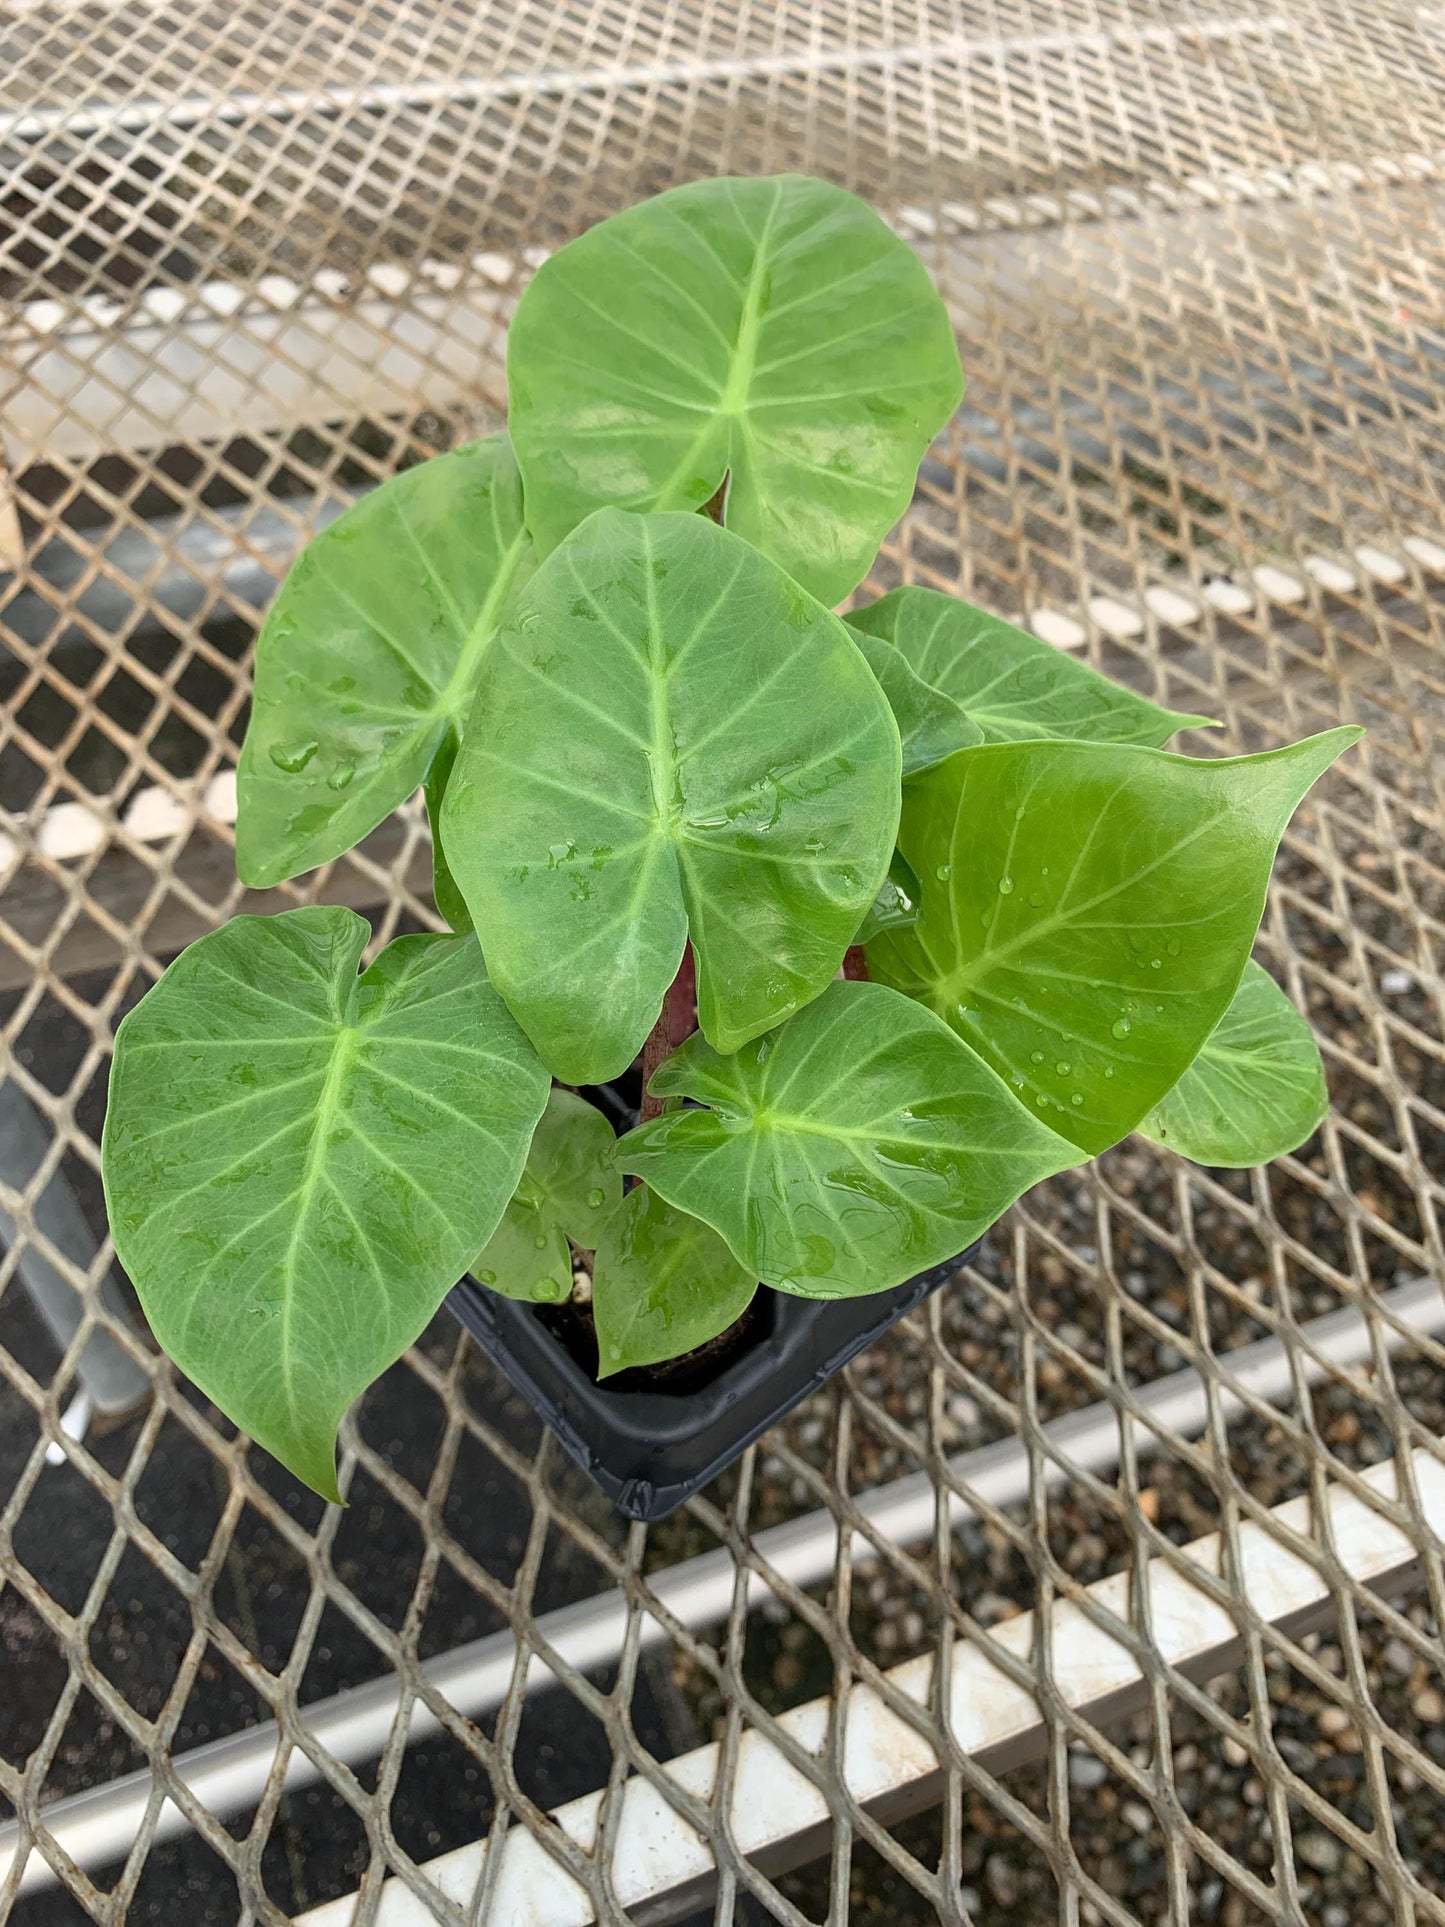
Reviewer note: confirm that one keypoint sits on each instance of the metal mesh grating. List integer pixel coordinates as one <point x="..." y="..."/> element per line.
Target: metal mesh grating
<point x="258" y="257"/>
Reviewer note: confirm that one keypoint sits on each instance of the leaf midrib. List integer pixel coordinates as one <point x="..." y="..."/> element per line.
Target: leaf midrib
<point x="327" y="1107"/>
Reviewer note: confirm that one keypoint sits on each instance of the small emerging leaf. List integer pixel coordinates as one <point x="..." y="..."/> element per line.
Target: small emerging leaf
<point x="568" y="1190"/>
<point x="1015" y="687"/>
<point x="1088" y="909"/>
<point x="775" y="332"/>
<point x="449" y="899"/>
<point x="897" y="901"/>
<point x="672" y="740"/>
<point x="369" y="656"/>
<point x="662" y="1284"/>
<point x="856" y="1146"/>
<point x="930" y="724"/>
<point x="1256" y="1089"/>
<point x="300" y="1163"/>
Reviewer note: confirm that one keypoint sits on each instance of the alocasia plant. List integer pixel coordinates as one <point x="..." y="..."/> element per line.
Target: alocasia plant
<point x="672" y="792"/>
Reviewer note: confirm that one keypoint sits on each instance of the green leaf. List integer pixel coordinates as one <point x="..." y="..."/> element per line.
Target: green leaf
<point x="672" y="739"/>
<point x="774" y="332"/>
<point x="930" y="724"/>
<point x="896" y="904"/>
<point x="1256" y="1089"/>
<point x="299" y="1162"/>
<point x="1088" y="910"/>
<point x="370" y="654"/>
<point x="1015" y="687"/>
<point x="568" y="1190"/>
<point x="662" y="1285"/>
<point x="449" y="899"/>
<point x="855" y="1147"/>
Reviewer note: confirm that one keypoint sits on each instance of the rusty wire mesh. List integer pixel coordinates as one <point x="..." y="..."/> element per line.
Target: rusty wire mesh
<point x="257" y="257"/>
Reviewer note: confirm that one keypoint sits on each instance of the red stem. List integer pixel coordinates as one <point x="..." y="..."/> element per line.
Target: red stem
<point x="676" y="1021"/>
<point x="855" y="966"/>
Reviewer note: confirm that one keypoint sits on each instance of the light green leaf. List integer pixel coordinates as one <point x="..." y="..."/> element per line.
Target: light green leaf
<point x="672" y="739"/>
<point x="930" y="724"/>
<point x="662" y="1285"/>
<point x="300" y="1162"/>
<point x="1015" y="687"/>
<point x="1256" y="1089"/>
<point x="1088" y="910"/>
<point x="896" y="904"/>
<point x="772" y="331"/>
<point x="369" y="656"/>
<point x="568" y="1190"/>
<point x="856" y="1146"/>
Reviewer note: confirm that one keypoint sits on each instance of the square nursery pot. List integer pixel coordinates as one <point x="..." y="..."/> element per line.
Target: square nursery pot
<point x="651" y="1438"/>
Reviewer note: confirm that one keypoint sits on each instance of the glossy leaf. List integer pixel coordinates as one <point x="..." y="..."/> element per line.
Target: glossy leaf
<point x="775" y="332"/>
<point x="300" y="1162"/>
<point x="662" y="1284"/>
<point x="370" y="654"/>
<point x="930" y="724"/>
<point x="1088" y="910"/>
<point x="1015" y="687"/>
<point x="1256" y="1089"/>
<point x="672" y="739"/>
<point x="568" y="1190"/>
<point x="897" y="901"/>
<point x="856" y="1146"/>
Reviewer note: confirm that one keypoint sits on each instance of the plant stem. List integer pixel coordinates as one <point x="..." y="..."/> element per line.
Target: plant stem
<point x="676" y="1021"/>
<point x="855" y="967"/>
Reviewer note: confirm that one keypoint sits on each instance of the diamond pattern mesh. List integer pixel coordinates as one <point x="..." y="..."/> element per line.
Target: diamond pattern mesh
<point x="257" y="257"/>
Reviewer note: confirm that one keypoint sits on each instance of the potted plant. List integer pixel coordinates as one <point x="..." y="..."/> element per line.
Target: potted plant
<point x="900" y="913"/>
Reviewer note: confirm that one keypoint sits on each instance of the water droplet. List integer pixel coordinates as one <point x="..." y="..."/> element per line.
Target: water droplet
<point x="1108" y="1070"/>
<point x="1120" y="1027"/>
<point x="1036" y="1057"/>
<point x="1063" y="1068"/>
<point x="547" y="1291"/>
<point x="944" y="872"/>
<point x="1005" y="886"/>
<point x="293" y="757"/>
<point x="596" y="1196"/>
<point x="1036" y="899"/>
<point x="1077" y="1098"/>
<point x="540" y="1241"/>
<point x="1042" y="1101"/>
<point x="1173" y="946"/>
<point x="813" y="845"/>
<point x="486" y="1277"/>
<point x="341" y="776"/>
<point x="1156" y="963"/>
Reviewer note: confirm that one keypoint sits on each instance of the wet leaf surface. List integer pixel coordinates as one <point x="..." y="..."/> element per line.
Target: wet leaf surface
<point x="851" y="1149"/>
<point x="772" y="331"/>
<point x="300" y="1162"/>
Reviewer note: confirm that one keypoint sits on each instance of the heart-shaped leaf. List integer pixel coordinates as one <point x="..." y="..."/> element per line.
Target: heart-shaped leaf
<point x="671" y="739"/>
<point x="856" y="1146"/>
<point x="1088" y="910"/>
<point x="930" y="724"/>
<point x="773" y="332"/>
<point x="1256" y="1089"/>
<point x="568" y="1190"/>
<point x="300" y="1162"/>
<point x="662" y="1284"/>
<point x="1014" y="687"/>
<point x="369" y="656"/>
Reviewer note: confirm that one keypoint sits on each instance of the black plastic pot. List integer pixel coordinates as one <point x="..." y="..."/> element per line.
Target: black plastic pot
<point x="650" y="1446"/>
